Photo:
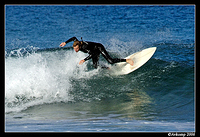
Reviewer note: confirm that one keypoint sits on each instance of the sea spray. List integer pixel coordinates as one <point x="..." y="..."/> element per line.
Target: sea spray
<point x="41" y="78"/>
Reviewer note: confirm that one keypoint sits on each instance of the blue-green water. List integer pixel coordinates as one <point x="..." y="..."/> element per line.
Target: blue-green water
<point x="46" y="89"/>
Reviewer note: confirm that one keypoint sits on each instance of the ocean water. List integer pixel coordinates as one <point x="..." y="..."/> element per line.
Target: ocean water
<point x="46" y="89"/>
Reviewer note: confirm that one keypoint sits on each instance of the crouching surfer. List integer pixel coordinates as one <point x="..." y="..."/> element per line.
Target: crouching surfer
<point x="94" y="50"/>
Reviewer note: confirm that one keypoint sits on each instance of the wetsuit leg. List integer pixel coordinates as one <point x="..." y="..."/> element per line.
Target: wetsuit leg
<point x="95" y="61"/>
<point x="107" y="56"/>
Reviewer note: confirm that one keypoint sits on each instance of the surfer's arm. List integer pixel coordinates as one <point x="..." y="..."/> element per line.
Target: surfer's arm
<point x="88" y="57"/>
<point x="71" y="39"/>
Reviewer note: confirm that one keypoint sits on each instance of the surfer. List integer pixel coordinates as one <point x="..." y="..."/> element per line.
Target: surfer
<point x="94" y="50"/>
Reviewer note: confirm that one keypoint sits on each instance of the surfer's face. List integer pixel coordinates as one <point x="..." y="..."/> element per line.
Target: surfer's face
<point x="76" y="48"/>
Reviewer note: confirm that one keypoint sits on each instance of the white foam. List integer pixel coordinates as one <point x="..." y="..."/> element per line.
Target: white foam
<point x="42" y="78"/>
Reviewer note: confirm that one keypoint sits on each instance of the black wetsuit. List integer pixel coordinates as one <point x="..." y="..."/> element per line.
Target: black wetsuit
<point x="94" y="50"/>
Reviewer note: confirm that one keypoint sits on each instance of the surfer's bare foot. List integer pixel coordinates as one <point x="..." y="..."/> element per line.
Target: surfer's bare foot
<point x="129" y="61"/>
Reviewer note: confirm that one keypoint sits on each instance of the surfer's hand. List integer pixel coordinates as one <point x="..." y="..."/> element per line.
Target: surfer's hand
<point x="81" y="62"/>
<point x="62" y="44"/>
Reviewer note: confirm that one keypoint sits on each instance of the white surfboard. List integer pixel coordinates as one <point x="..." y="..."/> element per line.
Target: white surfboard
<point x="139" y="59"/>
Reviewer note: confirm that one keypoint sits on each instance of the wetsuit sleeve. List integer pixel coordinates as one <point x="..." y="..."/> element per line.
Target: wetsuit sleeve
<point x="71" y="39"/>
<point x="88" y="57"/>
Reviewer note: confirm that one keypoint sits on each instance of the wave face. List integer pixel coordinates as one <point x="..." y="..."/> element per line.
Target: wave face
<point x="53" y="75"/>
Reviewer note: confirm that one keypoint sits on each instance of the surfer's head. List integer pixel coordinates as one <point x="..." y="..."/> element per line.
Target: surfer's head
<point x="76" y="45"/>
